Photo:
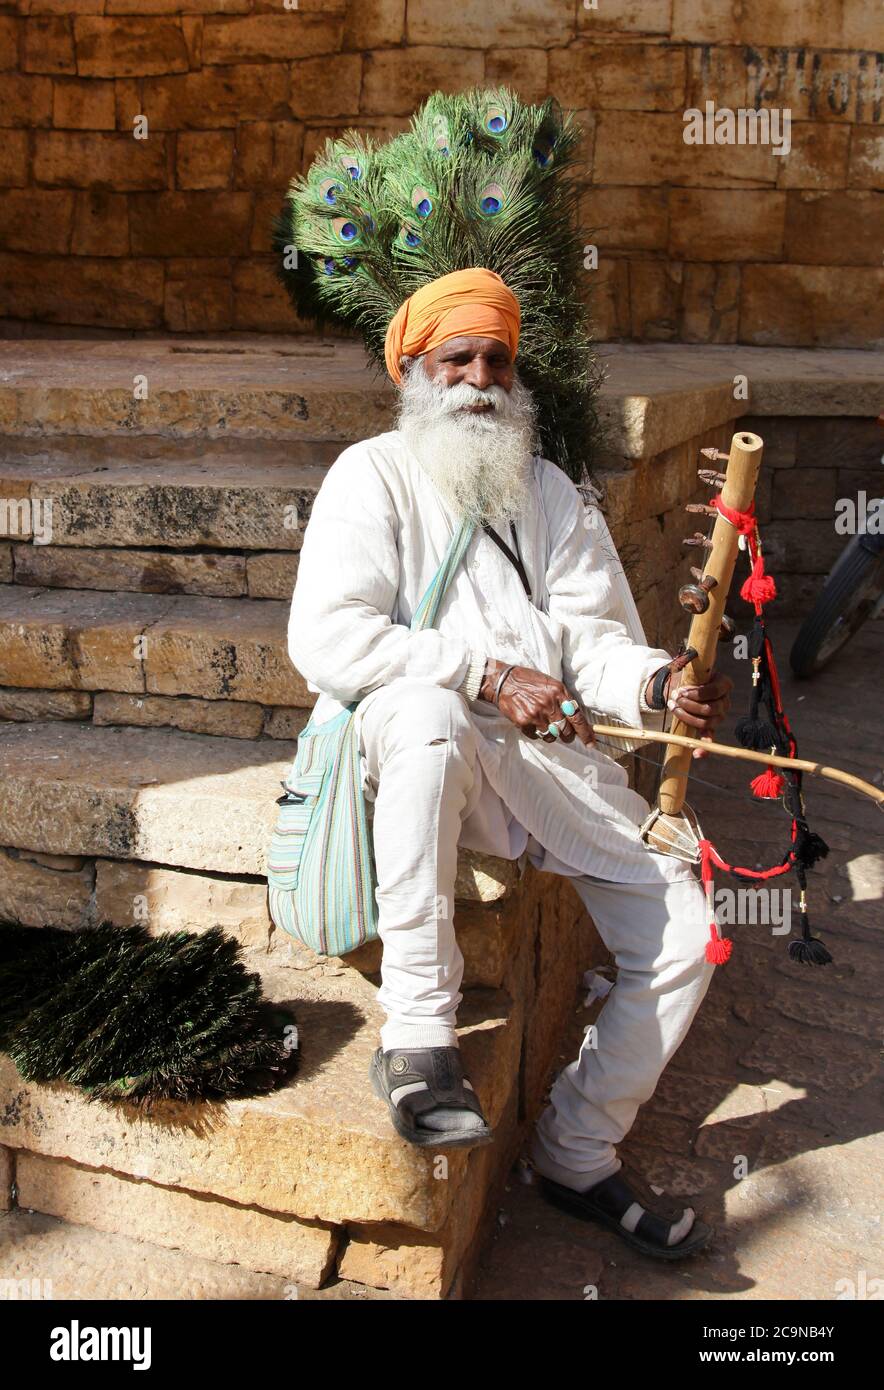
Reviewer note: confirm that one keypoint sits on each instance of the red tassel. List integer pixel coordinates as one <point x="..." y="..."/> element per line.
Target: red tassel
<point x="759" y="588"/>
<point x="718" y="949"/>
<point x="769" y="786"/>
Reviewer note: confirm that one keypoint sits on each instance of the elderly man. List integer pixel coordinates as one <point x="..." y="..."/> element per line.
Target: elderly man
<point x="476" y="733"/>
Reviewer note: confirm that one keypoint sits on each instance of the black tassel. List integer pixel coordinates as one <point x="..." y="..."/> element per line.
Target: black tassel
<point x="809" y="847"/>
<point x="809" y="951"/>
<point x="756" y="733"/>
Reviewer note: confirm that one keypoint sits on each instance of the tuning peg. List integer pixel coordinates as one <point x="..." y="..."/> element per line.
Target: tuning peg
<point x="711" y="477"/>
<point x="708" y="581"/>
<point x="714" y="455"/>
<point x="701" y="509"/>
<point x="695" y="597"/>
<point x="727" y="629"/>
<point x="703" y="542"/>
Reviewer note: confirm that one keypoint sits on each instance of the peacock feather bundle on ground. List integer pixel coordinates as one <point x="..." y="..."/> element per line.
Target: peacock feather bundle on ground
<point x="130" y="1017"/>
<point x="480" y="179"/>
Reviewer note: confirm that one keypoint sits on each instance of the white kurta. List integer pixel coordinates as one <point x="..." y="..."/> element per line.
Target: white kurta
<point x="377" y="534"/>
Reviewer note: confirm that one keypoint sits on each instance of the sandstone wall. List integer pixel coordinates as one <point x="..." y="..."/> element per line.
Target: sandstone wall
<point x="698" y="243"/>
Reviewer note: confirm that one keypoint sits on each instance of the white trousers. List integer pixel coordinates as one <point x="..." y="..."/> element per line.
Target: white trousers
<point x="419" y="745"/>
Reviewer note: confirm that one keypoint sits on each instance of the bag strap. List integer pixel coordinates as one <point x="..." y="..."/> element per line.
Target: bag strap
<point x="428" y="608"/>
<point x="515" y="558"/>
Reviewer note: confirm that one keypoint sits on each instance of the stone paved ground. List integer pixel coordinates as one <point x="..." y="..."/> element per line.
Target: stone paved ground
<point x="781" y="1065"/>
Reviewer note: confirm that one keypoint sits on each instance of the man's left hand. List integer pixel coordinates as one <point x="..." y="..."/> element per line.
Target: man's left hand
<point x="701" y="707"/>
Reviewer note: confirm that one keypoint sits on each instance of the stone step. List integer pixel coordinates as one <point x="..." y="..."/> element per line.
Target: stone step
<point x="279" y="388"/>
<point x="155" y="492"/>
<point x="162" y="797"/>
<point x="305" y="1168"/>
<point x="155" y="644"/>
<point x="187" y="800"/>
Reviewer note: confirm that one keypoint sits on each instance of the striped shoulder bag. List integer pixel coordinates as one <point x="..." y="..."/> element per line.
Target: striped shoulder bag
<point x="320" y="867"/>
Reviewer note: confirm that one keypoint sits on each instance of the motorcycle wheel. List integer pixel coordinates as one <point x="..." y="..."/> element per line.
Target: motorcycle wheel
<point x="851" y="594"/>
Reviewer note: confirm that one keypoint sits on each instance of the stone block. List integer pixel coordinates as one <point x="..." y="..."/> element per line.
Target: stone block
<point x="14" y="159"/>
<point x="791" y="23"/>
<point x="825" y="85"/>
<point x="101" y="224"/>
<point x="818" y="157"/>
<point x="267" y="154"/>
<point x="272" y="575"/>
<point x="67" y="640"/>
<point x="625" y="17"/>
<point x="79" y="1263"/>
<point x="626" y="219"/>
<point x="866" y="169"/>
<point x="835" y="228"/>
<point x="326" y="86"/>
<point x="523" y="70"/>
<point x="165" y="900"/>
<point x="48" y="45"/>
<point x="222" y="649"/>
<point x="26" y="705"/>
<point x="130" y="46"/>
<point x="150" y="794"/>
<point x="143" y="571"/>
<point x="374" y="24"/>
<point x="523" y="24"/>
<point x="811" y="495"/>
<point x="733" y="225"/>
<point x="222" y="718"/>
<point x="9" y="32"/>
<point x="269" y="37"/>
<point x="190" y="224"/>
<point x="610" y="300"/>
<point x="219" y="1231"/>
<point x="396" y="80"/>
<point x="648" y="148"/>
<point x="710" y="303"/>
<point x="37" y="894"/>
<point x="99" y="159"/>
<point x="204" y="158"/>
<point x="812" y="306"/>
<point x="200" y="301"/>
<point x="285" y="722"/>
<point x="25" y="100"/>
<point x="260" y="302"/>
<point x="621" y="77"/>
<point x="198" y="101"/>
<point x="37" y="220"/>
<point x="416" y="1265"/>
<point x="839" y="442"/>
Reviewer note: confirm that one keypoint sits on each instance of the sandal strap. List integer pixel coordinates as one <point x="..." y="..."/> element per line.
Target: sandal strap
<point x="656" y="1219"/>
<point x="422" y="1079"/>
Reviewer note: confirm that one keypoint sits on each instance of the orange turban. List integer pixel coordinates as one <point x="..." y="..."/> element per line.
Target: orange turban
<point x="474" y="303"/>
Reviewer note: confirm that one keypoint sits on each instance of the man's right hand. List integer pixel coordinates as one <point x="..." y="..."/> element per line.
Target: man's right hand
<point x="533" y="701"/>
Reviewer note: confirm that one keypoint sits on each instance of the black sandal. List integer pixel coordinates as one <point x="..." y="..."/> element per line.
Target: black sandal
<point x="425" y="1079"/>
<point x="625" y="1204"/>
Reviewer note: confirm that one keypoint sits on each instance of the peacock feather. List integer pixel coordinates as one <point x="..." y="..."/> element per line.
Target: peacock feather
<point x="479" y="179"/>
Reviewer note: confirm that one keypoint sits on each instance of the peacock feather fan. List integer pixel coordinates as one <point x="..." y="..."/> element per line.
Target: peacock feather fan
<point x="480" y="179"/>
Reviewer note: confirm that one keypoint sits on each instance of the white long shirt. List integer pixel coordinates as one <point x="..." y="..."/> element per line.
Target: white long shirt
<point x="377" y="533"/>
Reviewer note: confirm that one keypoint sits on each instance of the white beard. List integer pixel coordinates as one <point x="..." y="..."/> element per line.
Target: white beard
<point x="479" y="463"/>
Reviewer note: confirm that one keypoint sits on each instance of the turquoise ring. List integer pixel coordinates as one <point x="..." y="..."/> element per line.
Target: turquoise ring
<point x="569" y="707"/>
<point x="553" y="731"/>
